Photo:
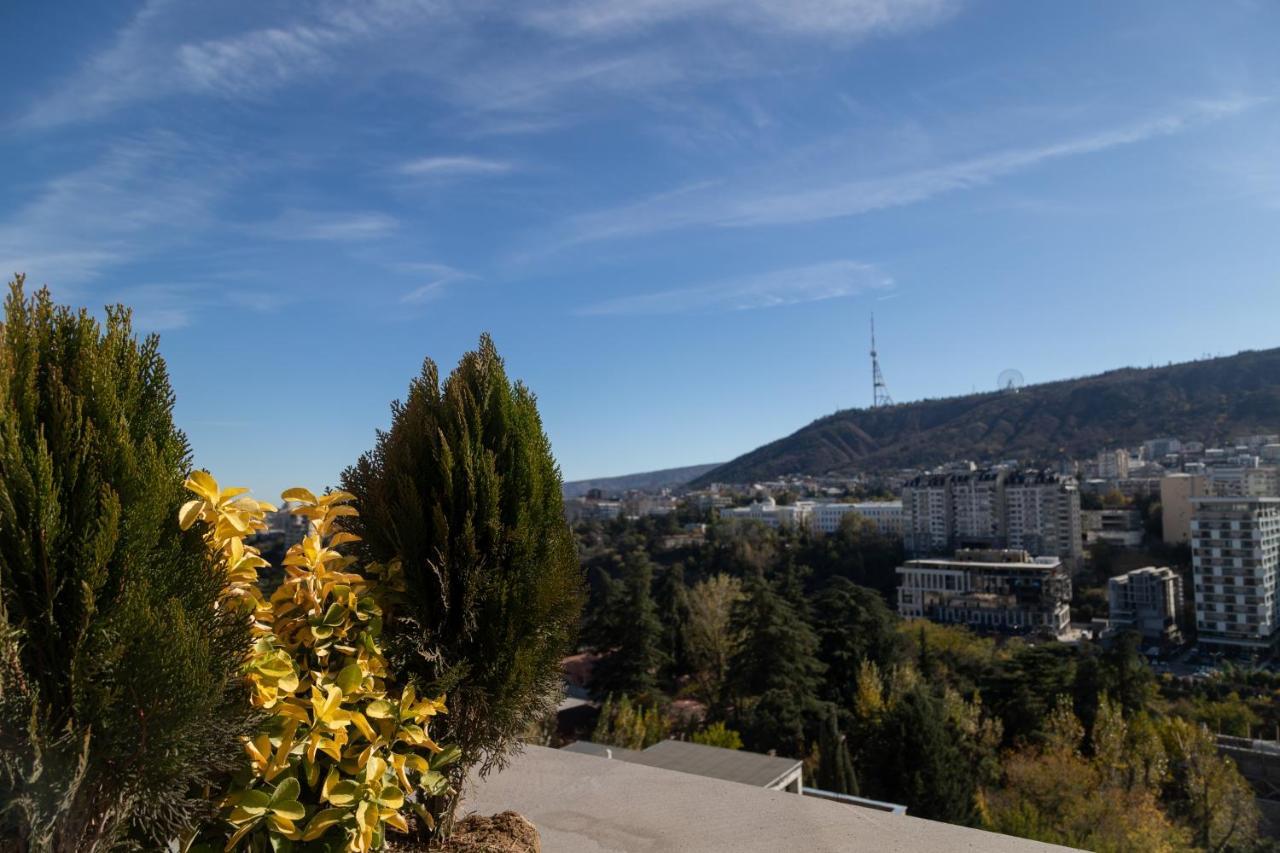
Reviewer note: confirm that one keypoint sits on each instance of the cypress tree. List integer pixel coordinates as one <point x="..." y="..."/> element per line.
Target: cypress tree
<point x="835" y="766"/>
<point x="853" y="624"/>
<point x="634" y="653"/>
<point x="120" y="695"/>
<point x="671" y="596"/>
<point x="917" y="760"/>
<point x="463" y="490"/>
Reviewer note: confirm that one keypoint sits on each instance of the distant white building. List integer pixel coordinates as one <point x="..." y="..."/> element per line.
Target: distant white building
<point x="1235" y="557"/>
<point x="1042" y="515"/>
<point x="885" y="515"/>
<point x="770" y="513"/>
<point x="1113" y="464"/>
<point x="1148" y="601"/>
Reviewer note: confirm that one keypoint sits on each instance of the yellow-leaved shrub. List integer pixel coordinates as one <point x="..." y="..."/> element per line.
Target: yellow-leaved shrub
<point x="344" y="749"/>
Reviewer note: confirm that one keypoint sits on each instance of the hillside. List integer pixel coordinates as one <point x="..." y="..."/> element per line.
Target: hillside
<point x="667" y="478"/>
<point x="1204" y="400"/>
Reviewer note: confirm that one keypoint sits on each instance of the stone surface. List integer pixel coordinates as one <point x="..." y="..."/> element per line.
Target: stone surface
<point x="584" y="803"/>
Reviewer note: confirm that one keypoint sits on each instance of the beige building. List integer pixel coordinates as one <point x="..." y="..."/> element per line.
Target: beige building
<point x="1176" y="492"/>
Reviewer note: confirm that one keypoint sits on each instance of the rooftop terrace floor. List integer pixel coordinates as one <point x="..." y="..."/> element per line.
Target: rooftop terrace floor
<point x="585" y="803"/>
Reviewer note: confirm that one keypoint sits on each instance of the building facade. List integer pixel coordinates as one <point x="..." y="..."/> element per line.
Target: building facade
<point x="1176" y="492"/>
<point x="885" y="515"/>
<point x="1147" y="600"/>
<point x="1235" y="558"/>
<point x="1042" y="515"/>
<point x="1003" y="591"/>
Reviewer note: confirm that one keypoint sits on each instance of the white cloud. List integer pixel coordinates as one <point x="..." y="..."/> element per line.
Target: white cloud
<point x="341" y="227"/>
<point x="445" y="167"/>
<point x="827" y="194"/>
<point x="566" y="48"/>
<point x="142" y="194"/>
<point x="813" y="283"/>
<point x="439" y="278"/>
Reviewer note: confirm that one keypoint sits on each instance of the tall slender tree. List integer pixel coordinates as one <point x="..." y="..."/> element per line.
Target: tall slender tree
<point x="630" y="664"/>
<point x="120" y="695"/>
<point x="835" y="767"/>
<point x="463" y="490"/>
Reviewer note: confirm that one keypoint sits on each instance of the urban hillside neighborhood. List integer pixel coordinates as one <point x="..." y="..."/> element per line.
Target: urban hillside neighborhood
<point x="1142" y="574"/>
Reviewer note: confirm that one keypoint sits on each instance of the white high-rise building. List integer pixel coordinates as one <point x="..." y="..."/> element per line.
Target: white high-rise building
<point x="1042" y="514"/>
<point x="926" y="508"/>
<point x="1235" y="557"/>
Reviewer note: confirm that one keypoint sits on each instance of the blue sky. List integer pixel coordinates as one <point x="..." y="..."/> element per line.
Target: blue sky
<point x="674" y="216"/>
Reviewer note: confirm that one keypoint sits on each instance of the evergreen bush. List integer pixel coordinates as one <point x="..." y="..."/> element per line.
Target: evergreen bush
<point x="121" y="699"/>
<point x="463" y="491"/>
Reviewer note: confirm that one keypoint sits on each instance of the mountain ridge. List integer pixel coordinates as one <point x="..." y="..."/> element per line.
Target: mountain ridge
<point x="1207" y="400"/>
<point x="664" y="478"/>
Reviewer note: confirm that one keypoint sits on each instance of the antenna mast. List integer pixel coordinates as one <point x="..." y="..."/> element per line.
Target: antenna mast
<point x="879" y="390"/>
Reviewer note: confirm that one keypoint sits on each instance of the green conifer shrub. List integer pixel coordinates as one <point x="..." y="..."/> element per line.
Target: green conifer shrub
<point x="462" y="489"/>
<point x="121" y="699"/>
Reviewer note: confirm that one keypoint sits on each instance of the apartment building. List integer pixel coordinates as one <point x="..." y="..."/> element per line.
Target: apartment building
<point x="1146" y="600"/>
<point x="769" y="513"/>
<point x="1121" y="528"/>
<point x="1042" y="514"/>
<point x="1235" y="557"/>
<point x="1036" y="511"/>
<point x="1176" y="492"/>
<point x="926" y="507"/>
<point x="998" y="590"/>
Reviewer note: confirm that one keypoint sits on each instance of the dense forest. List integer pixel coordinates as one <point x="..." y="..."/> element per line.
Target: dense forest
<point x="1205" y="400"/>
<point x="779" y="641"/>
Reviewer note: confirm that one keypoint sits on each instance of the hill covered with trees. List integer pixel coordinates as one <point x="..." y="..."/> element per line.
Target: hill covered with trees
<point x="1205" y="400"/>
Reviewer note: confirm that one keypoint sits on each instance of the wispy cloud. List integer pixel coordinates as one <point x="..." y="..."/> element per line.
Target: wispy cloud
<point x="813" y="283"/>
<point x="438" y="278"/>
<point x="839" y="18"/>
<point x="566" y="48"/>
<point x="829" y="195"/>
<point x="341" y="227"/>
<point x="456" y="166"/>
<point x="141" y="195"/>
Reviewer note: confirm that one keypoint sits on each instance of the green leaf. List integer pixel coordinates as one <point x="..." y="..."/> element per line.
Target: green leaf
<point x="379" y="710"/>
<point x="292" y="809"/>
<point x="287" y="789"/>
<point x="445" y="757"/>
<point x="349" y="679"/>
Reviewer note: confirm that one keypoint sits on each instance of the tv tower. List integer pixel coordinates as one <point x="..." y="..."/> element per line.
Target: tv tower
<point x="879" y="390"/>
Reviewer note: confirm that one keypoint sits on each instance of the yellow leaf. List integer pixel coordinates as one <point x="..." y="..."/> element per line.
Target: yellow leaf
<point x="396" y="821"/>
<point x="202" y="484"/>
<point x="239" y="834"/>
<point x="343" y="538"/>
<point x="297" y="493"/>
<point x="190" y="513"/>
<point x="322" y="820"/>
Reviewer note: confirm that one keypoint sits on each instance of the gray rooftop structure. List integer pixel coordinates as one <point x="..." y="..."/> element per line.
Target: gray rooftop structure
<point x="731" y="765"/>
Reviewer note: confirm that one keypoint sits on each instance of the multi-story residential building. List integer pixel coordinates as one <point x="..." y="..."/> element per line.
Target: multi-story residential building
<point x="1005" y="591"/>
<point x="589" y="509"/>
<point x="1042" y="514"/>
<point x="1158" y="448"/>
<point x="1176" y="492"/>
<point x="1235" y="558"/>
<point x="1119" y="527"/>
<point x="977" y="508"/>
<point x="1038" y="511"/>
<point x="1113" y="464"/>
<point x="885" y="515"/>
<point x="1148" y="601"/>
<point x="1262" y="482"/>
<point x="926" y="508"/>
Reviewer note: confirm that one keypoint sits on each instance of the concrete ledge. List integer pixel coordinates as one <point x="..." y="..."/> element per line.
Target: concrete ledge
<point x="585" y="803"/>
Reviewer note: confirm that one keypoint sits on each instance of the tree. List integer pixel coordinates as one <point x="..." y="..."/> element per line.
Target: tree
<point x="917" y="760"/>
<point x="120" y="689"/>
<point x="671" y="597"/>
<point x="630" y="661"/>
<point x="462" y="489"/>
<point x="853" y="624"/>
<point x="711" y="637"/>
<point x="778" y="663"/>
<point x="1207" y="791"/>
<point x="835" y="767"/>
<point x="628" y="724"/>
<point x="717" y="734"/>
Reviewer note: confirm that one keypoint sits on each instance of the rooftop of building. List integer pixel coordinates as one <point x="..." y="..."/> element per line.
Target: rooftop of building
<point x="731" y="765"/>
<point x="582" y="803"/>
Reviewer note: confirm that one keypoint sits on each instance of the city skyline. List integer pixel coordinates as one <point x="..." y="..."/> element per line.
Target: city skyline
<point x="397" y="178"/>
